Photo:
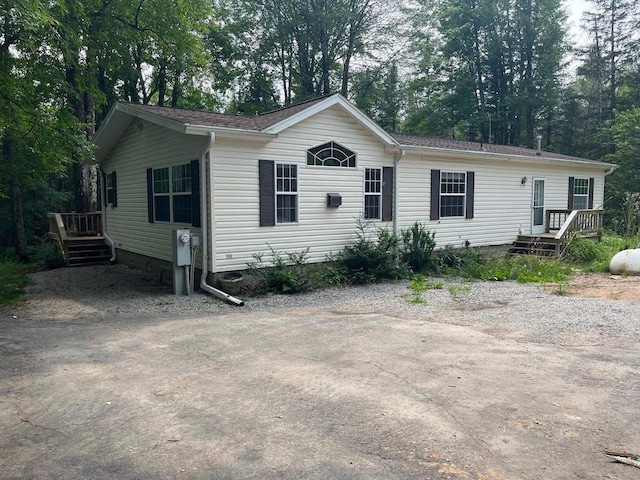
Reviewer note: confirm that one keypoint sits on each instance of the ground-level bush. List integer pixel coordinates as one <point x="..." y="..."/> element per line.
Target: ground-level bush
<point x="374" y="255"/>
<point x="417" y="247"/>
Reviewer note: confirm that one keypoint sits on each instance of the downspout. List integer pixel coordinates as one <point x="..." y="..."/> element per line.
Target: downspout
<point x="396" y="182"/>
<point x="106" y="236"/>
<point x="204" y="181"/>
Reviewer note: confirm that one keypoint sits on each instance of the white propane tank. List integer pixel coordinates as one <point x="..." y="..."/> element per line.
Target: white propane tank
<point x="626" y="261"/>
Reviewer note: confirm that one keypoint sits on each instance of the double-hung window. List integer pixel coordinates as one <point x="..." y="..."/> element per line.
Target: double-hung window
<point x="581" y="194"/>
<point x="286" y="193"/>
<point x="172" y="194"/>
<point x="452" y="194"/>
<point x="111" y="188"/>
<point x="372" y="193"/>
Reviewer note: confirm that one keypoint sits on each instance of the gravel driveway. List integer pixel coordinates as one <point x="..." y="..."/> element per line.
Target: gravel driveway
<point x="105" y="374"/>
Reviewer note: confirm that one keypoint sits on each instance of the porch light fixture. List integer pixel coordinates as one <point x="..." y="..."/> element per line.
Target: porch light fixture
<point x="524" y="180"/>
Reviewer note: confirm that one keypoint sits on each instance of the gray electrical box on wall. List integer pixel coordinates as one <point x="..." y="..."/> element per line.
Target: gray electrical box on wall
<point x="334" y="200"/>
<point x="181" y="240"/>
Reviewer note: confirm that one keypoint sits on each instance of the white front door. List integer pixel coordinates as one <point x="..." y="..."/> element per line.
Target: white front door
<point x="538" y="206"/>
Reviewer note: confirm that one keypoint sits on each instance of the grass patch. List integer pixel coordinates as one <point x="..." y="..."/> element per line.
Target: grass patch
<point x="523" y="269"/>
<point x="13" y="280"/>
<point x="590" y="256"/>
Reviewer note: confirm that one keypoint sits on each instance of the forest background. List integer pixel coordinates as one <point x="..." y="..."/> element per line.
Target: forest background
<point x="497" y="71"/>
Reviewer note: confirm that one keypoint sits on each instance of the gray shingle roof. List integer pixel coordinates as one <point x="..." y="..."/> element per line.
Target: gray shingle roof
<point x="257" y="123"/>
<point x="221" y="120"/>
<point x="430" y="142"/>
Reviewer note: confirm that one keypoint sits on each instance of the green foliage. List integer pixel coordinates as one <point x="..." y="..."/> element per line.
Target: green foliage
<point x="370" y="259"/>
<point x="13" y="279"/>
<point x="418" y="285"/>
<point x="581" y="250"/>
<point x="626" y="220"/>
<point x="456" y="290"/>
<point x="523" y="268"/>
<point x="590" y="256"/>
<point x="283" y="272"/>
<point x="47" y="255"/>
<point x="324" y="275"/>
<point x="458" y="261"/>
<point x="417" y="246"/>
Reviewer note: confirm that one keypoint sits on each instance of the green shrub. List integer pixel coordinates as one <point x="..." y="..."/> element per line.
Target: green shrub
<point x="13" y="279"/>
<point x="283" y="272"/>
<point x="592" y="256"/>
<point x="370" y="259"/>
<point x="581" y="250"/>
<point x="417" y="246"/>
<point x="458" y="261"/>
<point x="325" y="275"/>
<point x="47" y="255"/>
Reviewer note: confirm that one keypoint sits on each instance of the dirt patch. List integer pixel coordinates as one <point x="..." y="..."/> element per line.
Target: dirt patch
<point x="598" y="285"/>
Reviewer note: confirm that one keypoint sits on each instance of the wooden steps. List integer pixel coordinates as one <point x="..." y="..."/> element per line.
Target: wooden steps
<point x="539" y="245"/>
<point x="87" y="251"/>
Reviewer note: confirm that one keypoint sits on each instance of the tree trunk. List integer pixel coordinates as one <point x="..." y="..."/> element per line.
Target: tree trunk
<point x="17" y="215"/>
<point x="15" y="193"/>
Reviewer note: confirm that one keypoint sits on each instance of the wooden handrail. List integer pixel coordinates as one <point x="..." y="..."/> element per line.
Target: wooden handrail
<point x="580" y="221"/>
<point x="566" y="226"/>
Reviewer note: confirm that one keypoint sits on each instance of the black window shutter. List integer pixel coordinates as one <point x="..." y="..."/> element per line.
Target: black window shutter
<point x="572" y="181"/>
<point x="114" y="187"/>
<point x="266" y="176"/>
<point x="591" y="186"/>
<point x="471" y="180"/>
<point x="435" y="195"/>
<point x="104" y="190"/>
<point x="387" y="194"/>
<point x="195" y="193"/>
<point x="150" y="194"/>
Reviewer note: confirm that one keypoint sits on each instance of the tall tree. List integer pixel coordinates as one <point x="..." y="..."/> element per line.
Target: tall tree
<point x="38" y="134"/>
<point x="500" y="67"/>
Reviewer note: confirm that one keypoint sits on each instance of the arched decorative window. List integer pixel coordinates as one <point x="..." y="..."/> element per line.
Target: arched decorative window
<point x="331" y="154"/>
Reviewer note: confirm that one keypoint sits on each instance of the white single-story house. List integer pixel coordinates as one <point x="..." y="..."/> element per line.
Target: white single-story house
<point x="300" y="177"/>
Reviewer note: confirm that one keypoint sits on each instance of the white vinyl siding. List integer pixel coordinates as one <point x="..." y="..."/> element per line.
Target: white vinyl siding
<point x="502" y="205"/>
<point x="325" y="230"/>
<point x="145" y="145"/>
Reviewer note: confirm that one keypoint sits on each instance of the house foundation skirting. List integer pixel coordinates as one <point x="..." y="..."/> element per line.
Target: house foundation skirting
<point x="160" y="270"/>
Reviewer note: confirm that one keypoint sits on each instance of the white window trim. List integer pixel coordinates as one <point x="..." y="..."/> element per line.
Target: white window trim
<point x="110" y="189"/>
<point x="464" y="196"/>
<point x="171" y="193"/>
<point x="275" y="189"/>
<point x="369" y="194"/>
<point x="581" y="195"/>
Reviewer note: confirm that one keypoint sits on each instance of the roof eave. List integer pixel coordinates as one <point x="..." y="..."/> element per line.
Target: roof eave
<point x="506" y="156"/>
<point x="231" y="133"/>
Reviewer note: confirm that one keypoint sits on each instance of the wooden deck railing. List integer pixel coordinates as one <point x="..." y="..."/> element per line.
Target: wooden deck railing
<point x="566" y="222"/>
<point x="82" y="224"/>
<point x="63" y="226"/>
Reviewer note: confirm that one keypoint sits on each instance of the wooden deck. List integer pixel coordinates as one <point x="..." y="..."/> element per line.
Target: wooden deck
<point x="79" y="238"/>
<point x="560" y="227"/>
